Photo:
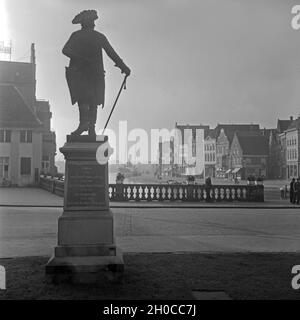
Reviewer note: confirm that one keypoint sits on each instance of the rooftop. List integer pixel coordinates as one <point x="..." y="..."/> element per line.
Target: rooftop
<point x="230" y="129"/>
<point x="282" y="125"/>
<point x="252" y="143"/>
<point x="14" y="111"/>
<point x="295" y="124"/>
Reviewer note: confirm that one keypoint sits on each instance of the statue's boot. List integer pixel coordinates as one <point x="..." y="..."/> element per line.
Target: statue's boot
<point x="92" y="121"/>
<point x="83" y="120"/>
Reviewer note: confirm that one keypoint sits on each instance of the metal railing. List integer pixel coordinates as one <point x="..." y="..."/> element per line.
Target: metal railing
<point x="165" y="192"/>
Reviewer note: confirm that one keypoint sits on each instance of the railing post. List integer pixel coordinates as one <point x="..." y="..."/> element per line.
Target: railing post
<point x="255" y="193"/>
<point x="190" y="189"/>
<point x="41" y="182"/>
<point x="260" y="193"/>
<point x="53" y="186"/>
<point x="249" y="193"/>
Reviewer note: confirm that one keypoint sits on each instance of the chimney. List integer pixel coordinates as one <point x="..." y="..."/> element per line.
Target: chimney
<point x="291" y="118"/>
<point x="32" y="56"/>
<point x="33" y="67"/>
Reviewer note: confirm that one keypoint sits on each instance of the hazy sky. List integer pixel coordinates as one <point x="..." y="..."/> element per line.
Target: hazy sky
<point x="196" y="61"/>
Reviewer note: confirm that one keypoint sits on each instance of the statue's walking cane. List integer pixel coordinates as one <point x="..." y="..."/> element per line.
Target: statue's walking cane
<point x="113" y="108"/>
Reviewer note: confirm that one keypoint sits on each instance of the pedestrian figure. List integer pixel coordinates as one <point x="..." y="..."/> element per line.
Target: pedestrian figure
<point x="208" y="186"/>
<point x="292" y="190"/>
<point x="85" y="74"/>
<point x="297" y="191"/>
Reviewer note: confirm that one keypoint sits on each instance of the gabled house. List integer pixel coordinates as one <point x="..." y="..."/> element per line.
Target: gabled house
<point x="249" y="155"/>
<point x="224" y="136"/>
<point x="27" y="144"/>
<point x="21" y="138"/>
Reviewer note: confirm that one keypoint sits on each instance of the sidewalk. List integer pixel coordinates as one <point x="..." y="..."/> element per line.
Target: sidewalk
<point x="36" y="197"/>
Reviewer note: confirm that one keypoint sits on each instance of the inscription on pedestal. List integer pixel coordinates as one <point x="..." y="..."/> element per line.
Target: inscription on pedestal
<point x="86" y="185"/>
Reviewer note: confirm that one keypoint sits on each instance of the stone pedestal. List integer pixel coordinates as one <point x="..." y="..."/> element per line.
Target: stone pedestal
<point x="86" y="250"/>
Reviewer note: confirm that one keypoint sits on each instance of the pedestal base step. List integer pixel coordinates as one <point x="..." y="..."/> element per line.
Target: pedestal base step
<point x="85" y="251"/>
<point x="85" y="269"/>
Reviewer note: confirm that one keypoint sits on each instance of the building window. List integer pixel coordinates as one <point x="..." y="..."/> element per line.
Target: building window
<point x="25" y="166"/>
<point x="194" y="134"/>
<point x="26" y="136"/>
<point x="4" y="167"/>
<point x="45" y="164"/>
<point x="291" y="171"/>
<point x="194" y="149"/>
<point x="5" y="135"/>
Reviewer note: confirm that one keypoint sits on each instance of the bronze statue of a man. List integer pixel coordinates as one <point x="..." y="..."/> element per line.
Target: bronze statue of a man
<point x="85" y="74"/>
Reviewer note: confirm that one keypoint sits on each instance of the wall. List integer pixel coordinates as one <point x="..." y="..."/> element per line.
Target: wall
<point x="15" y="150"/>
<point x="292" y="153"/>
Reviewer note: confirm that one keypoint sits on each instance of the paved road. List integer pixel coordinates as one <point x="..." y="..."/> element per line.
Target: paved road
<point x="33" y="231"/>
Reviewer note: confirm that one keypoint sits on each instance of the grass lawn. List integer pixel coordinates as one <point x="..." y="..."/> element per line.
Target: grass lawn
<point x="165" y="276"/>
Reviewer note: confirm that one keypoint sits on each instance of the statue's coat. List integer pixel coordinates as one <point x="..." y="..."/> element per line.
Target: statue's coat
<point x="85" y="74"/>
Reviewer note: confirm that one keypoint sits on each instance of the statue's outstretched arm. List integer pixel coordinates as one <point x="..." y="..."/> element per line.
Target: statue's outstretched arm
<point x="115" y="57"/>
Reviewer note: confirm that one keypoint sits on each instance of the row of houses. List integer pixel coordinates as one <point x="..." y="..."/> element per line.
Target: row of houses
<point x="27" y="143"/>
<point x="238" y="151"/>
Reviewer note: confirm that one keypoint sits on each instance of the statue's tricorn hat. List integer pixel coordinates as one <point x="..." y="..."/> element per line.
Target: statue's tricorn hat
<point x="85" y="16"/>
